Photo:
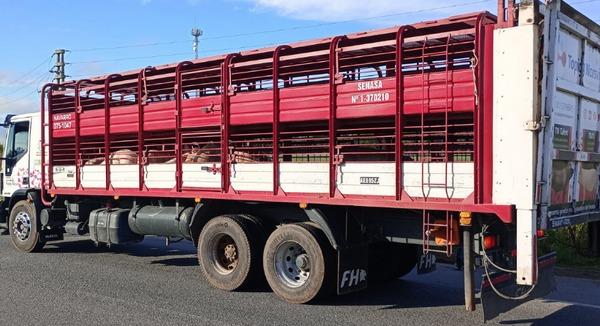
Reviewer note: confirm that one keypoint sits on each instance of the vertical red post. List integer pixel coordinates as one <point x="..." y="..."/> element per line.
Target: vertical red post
<point x="78" y="155"/>
<point x="488" y="115"/>
<point x="276" y="55"/>
<point x="107" y="96"/>
<point x="478" y="112"/>
<point x="45" y="164"/>
<point x="399" y="108"/>
<point x="334" y="79"/>
<point x="446" y="113"/>
<point x="225" y="121"/>
<point x="178" y="140"/>
<point x="423" y="93"/>
<point x="140" y="140"/>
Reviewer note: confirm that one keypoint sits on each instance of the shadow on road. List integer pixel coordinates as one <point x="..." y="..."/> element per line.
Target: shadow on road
<point x="399" y="294"/>
<point x="179" y="261"/>
<point x="151" y="247"/>
<point x="574" y="315"/>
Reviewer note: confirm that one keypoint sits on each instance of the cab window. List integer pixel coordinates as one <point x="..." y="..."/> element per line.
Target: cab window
<point x="17" y="145"/>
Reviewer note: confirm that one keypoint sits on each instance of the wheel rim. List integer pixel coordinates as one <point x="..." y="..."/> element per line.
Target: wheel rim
<point x="224" y="253"/>
<point x="292" y="264"/>
<point x="22" y="226"/>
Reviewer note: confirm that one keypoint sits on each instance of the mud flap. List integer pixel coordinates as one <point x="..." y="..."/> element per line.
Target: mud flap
<point x="505" y="283"/>
<point x="353" y="264"/>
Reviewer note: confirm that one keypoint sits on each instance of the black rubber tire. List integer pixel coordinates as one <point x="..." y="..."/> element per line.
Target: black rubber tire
<point x="33" y="242"/>
<point x="389" y="261"/>
<point x="320" y="282"/>
<point x="247" y="238"/>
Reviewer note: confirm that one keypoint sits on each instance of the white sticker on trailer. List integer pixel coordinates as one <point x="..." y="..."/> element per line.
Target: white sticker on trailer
<point x="591" y="67"/>
<point x="568" y="57"/>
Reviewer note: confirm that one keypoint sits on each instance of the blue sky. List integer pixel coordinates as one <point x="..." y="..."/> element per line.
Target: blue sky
<point x="113" y="35"/>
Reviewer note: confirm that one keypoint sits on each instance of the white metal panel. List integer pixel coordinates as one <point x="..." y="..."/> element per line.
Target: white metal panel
<point x="460" y="180"/>
<point x="124" y="176"/>
<point x="93" y="176"/>
<point x="376" y="179"/>
<point x="516" y="102"/>
<point x="304" y="177"/>
<point x="160" y="176"/>
<point x="200" y="176"/>
<point x="252" y="177"/>
<point x="64" y="176"/>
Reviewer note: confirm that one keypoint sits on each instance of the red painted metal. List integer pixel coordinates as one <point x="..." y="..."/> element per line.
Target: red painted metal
<point x="504" y="212"/>
<point x="339" y="99"/>
<point x="178" y="123"/>
<point x="506" y="13"/>
<point x="226" y="159"/>
<point x="45" y="146"/>
<point x="78" y="111"/>
<point x="276" y="116"/>
<point x="107" y="94"/>
<point x="141" y="101"/>
<point x="334" y="79"/>
<point x="488" y="116"/>
<point x="479" y="70"/>
<point x="398" y="117"/>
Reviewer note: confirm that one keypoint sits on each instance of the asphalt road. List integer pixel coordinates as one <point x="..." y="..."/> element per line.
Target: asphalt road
<point x="75" y="283"/>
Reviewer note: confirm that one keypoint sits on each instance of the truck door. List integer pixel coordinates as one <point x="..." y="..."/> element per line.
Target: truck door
<point x="569" y="149"/>
<point x="16" y="153"/>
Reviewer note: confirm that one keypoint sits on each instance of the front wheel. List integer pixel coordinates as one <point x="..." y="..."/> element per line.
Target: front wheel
<point x="24" y="228"/>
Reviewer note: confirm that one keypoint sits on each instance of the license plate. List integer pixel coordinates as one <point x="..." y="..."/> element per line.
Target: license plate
<point x="426" y="264"/>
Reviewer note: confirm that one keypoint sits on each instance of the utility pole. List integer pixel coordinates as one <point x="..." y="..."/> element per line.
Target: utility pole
<point x="196" y="33"/>
<point x="59" y="66"/>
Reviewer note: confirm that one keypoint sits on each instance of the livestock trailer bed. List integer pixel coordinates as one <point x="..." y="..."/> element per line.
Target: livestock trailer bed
<point x="332" y="163"/>
<point x="326" y="134"/>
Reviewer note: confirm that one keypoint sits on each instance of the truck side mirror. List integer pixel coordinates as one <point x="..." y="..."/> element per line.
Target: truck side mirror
<point x="7" y="120"/>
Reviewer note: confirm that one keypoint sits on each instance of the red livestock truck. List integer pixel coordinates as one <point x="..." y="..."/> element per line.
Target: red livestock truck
<point x="328" y="164"/>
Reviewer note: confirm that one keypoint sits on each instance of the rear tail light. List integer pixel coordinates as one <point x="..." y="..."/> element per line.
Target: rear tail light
<point x="490" y="241"/>
<point x="541" y="234"/>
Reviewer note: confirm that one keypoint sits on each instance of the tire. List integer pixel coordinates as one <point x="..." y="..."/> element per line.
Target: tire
<point x="229" y="252"/>
<point x="290" y="281"/>
<point x="389" y="261"/>
<point x="24" y="227"/>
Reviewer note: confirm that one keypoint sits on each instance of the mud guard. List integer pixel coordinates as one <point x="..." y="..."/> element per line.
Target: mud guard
<point x="494" y="305"/>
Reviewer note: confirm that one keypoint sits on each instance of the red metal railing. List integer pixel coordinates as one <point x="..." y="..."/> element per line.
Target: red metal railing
<point x="416" y="94"/>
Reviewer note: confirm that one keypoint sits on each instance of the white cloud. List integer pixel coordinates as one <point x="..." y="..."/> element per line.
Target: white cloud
<point x="339" y="10"/>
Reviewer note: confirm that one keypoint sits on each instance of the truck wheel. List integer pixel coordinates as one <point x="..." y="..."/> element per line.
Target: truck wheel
<point x="229" y="250"/>
<point x="23" y="227"/>
<point x="296" y="261"/>
<point x="389" y="261"/>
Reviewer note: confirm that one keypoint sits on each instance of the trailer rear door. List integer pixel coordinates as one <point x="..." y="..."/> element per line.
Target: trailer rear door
<point x="569" y="151"/>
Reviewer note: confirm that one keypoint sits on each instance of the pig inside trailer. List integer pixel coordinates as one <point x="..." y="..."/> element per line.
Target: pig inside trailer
<point x="327" y="165"/>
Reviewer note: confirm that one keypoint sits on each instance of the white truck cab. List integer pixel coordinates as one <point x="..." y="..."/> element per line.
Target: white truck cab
<point x="21" y="161"/>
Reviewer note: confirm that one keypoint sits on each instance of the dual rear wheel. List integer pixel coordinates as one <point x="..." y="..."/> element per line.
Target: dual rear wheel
<point x="297" y="260"/>
<point x="295" y="257"/>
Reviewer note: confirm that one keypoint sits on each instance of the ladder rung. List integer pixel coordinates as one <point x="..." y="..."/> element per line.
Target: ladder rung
<point x="434" y="224"/>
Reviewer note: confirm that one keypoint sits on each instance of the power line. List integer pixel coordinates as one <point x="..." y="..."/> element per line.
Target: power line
<point x="45" y="76"/>
<point x="464" y="4"/>
<point x="140" y="45"/>
<point x="293" y="28"/>
<point x="32" y="70"/>
<point x="28" y="84"/>
<point x="130" y="58"/>
<point x="268" y="31"/>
